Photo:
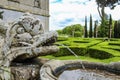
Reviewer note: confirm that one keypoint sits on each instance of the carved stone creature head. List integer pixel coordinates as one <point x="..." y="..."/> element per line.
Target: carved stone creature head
<point x="26" y="38"/>
<point x="23" y="31"/>
<point x="31" y="24"/>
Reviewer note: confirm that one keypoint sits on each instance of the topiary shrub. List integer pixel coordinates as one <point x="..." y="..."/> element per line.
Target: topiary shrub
<point x="94" y="53"/>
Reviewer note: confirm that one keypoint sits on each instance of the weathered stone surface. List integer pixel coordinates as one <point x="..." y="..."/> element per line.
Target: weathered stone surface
<point x="52" y="69"/>
<point x="21" y="72"/>
<point x="27" y="5"/>
<point x="24" y="41"/>
<point x="25" y="72"/>
<point x="3" y="28"/>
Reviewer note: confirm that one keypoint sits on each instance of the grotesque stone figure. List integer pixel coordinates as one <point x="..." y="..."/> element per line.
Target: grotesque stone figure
<point x="25" y="39"/>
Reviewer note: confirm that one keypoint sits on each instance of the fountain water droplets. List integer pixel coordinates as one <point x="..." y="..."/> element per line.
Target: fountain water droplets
<point x="81" y="75"/>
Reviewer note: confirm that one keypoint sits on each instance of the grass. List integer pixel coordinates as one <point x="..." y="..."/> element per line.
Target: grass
<point x="88" y="49"/>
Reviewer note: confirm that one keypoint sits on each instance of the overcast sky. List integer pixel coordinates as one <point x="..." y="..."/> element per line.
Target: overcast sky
<point x="67" y="12"/>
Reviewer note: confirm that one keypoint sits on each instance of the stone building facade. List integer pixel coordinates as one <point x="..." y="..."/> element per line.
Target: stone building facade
<point x="13" y="9"/>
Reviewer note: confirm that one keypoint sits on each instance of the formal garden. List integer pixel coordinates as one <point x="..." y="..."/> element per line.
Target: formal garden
<point x="30" y="51"/>
<point x="98" y="42"/>
<point x="88" y="49"/>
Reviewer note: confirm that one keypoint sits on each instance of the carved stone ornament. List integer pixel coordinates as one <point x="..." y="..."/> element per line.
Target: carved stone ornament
<point x="24" y="40"/>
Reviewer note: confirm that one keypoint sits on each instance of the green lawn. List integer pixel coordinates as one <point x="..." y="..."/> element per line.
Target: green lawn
<point x="88" y="49"/>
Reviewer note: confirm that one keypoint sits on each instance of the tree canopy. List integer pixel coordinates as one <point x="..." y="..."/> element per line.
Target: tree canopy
<point x="75" y="30"/>
<point x="108" y="3"/>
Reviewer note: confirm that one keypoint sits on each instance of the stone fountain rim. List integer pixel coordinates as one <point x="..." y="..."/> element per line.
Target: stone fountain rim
<point x="56" y="67"/>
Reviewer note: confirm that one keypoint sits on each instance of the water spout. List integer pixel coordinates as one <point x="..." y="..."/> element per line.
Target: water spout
<point x="69" y="50"/>
<point x="73" y="54"/>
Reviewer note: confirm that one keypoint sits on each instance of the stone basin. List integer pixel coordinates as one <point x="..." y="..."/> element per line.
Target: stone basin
<point x="80" y="74"/>
<point x="79" y="70"/>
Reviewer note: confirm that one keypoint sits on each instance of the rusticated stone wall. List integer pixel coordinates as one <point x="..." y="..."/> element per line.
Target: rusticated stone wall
<point x="15" y="8"/>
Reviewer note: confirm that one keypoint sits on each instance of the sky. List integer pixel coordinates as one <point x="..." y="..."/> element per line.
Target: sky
<point x="68" y="12"/>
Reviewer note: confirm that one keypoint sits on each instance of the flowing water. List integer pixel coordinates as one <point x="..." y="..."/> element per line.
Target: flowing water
<point x="81" y="74"/>
<point x="69" y="50"/>
<point x="73" y="54"/>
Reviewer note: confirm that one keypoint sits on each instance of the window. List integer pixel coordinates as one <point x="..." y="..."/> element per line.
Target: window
<point x="37" y="3"/>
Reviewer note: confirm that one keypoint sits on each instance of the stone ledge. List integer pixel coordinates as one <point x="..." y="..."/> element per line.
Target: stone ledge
<point x="23" y="8"/>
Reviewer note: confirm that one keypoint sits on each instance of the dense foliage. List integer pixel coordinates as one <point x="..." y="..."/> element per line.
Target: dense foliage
<point x="117" y="29"/>
<point x="105" y="3"/>
<point x="75" y="30"/>
<point x="105" y="29"/>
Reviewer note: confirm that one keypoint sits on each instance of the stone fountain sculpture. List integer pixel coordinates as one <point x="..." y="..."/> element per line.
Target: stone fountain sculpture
<point x="24" y="40"/>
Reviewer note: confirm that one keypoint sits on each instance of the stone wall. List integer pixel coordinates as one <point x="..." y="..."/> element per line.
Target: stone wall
<point x="32" y="6"/>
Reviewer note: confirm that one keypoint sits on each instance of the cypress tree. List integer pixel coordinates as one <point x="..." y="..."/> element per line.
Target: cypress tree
<point x="118" y="30"/>
<point x="85" y="29"/>
<point x="90" y="31"/>
<point x="110" y="27"/>
<point x="115" y="29"/>
<point x="95" y="29"/>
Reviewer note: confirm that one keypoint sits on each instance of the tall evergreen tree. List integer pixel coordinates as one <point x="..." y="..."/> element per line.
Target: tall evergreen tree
<point x="85" y="28"/>
<point x="110" y="27"/>
<point x="118" y="30"/>
<point x="95" y="29"/>
<point x="90" y="30"/>
<point x="115" y="29"/>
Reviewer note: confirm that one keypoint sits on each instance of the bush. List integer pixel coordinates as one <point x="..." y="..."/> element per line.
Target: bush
<point x="78" y="34"/>
<point x="65" y="52"/>
<point x="59" y="32"/>
<point x="73" y="29"/>
<point x="83" y="52"/>
<point x="99" y="54"/>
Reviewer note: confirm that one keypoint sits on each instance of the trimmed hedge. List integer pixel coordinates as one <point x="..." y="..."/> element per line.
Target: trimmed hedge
<point x="62" y="39"/>
<point x="115" y="44"/>
<point x="99" y="54"/>
<point x="65" y="52"/>
<point x="83" y="52"/>
<point x="91" y="47"/>
<point x="81" y="41"/>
